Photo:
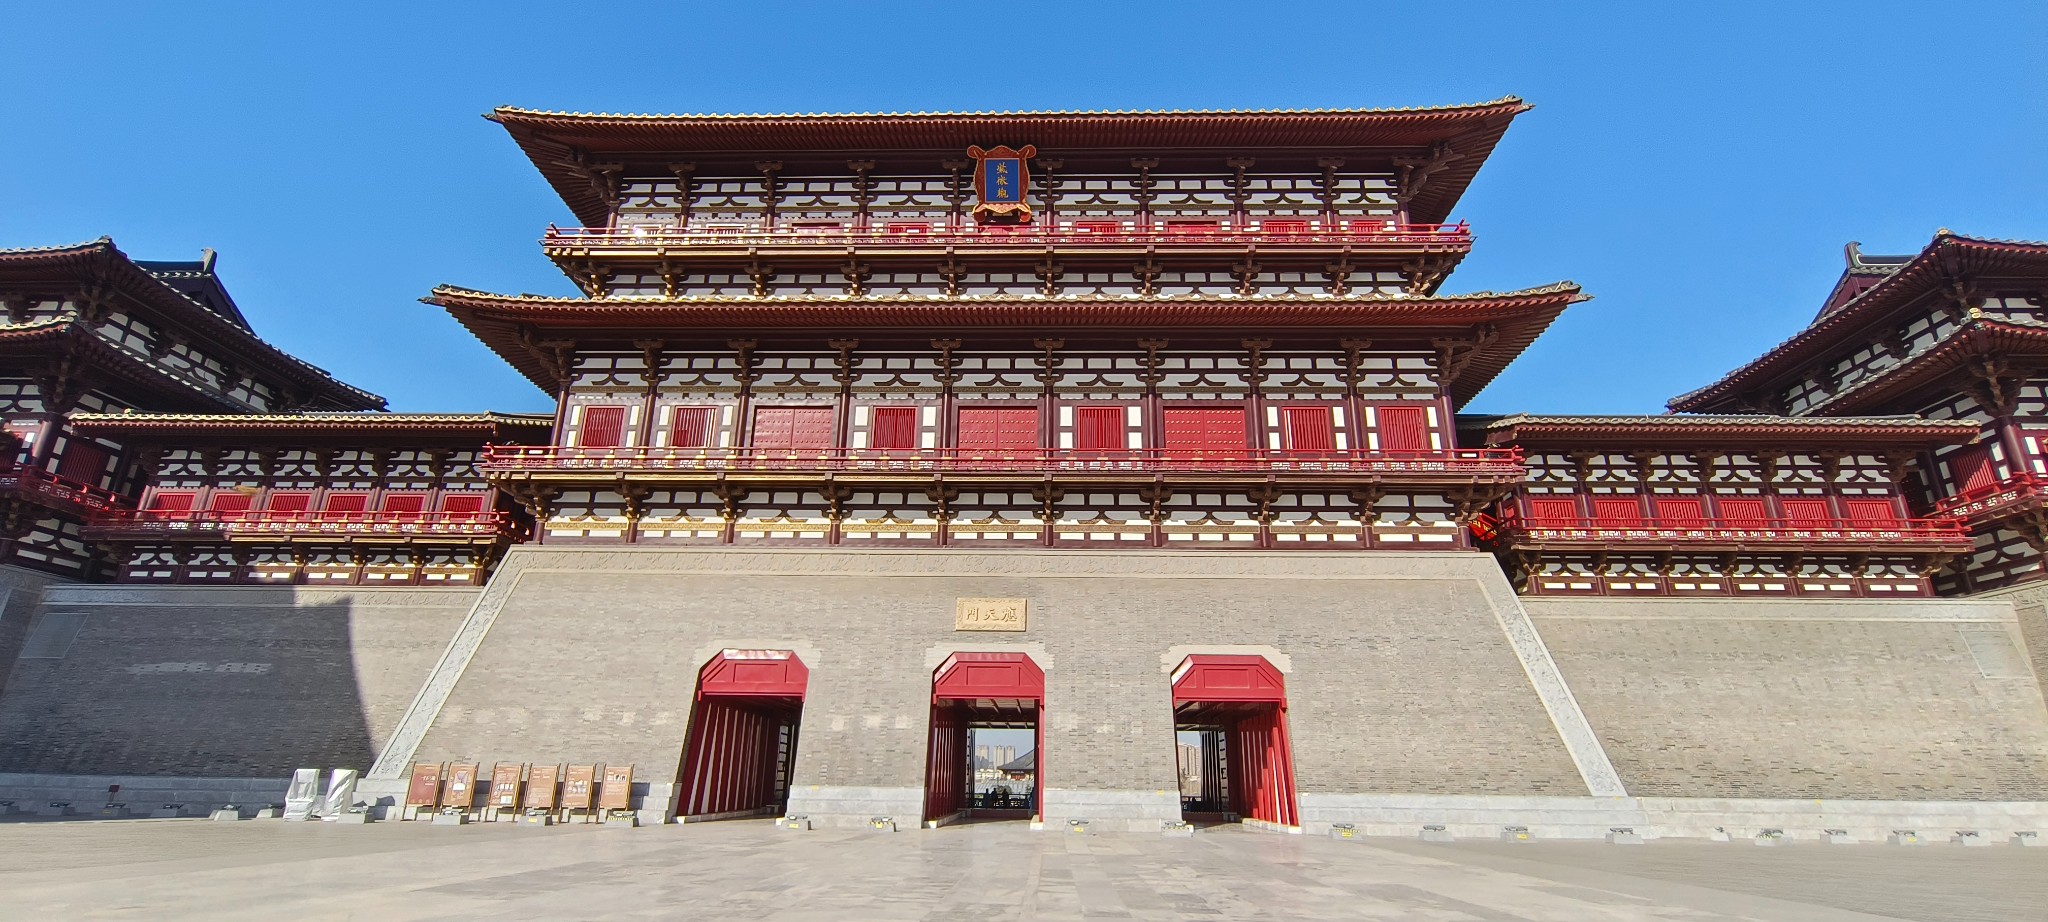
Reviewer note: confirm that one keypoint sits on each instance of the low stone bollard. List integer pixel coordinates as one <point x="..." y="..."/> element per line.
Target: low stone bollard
<point x="1436" y="834"/>
<point x="795" y="822"/>
<point x="1903" y="837"/>
<point x="2028" y="839"/>
<point x="167" y="812"/>
<point x="114" y="810"/>
<point x="55" y="808"/>
<point x="622" y="819"/>
<point x="1623" y="835"/>
<point x="451" y="816"/>
<point x="1177" y="829"/>
<point x="535" y="816"/>
<point x="270" y="812"/>
<point x="882" y="824"/>
<point x="228" y="813"/>
<point x="9" y="808"/>
<point x="1837" y="837"/>
<point x="1720" y="834"/>
<point x="1343" y="831"/>
<point x="1970" y="838"/>
<point x="1770" y="837"/>
<point x="1078" y="826"/>
<point x="1514" y="834"/>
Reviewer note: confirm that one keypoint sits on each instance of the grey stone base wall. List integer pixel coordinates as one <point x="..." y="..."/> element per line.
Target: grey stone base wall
<point x="1668" y="817"/>
<point x="142" y="793"/>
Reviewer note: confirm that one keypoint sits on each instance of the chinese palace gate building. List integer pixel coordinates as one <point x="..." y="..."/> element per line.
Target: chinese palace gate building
<point x="1136" y="435"/>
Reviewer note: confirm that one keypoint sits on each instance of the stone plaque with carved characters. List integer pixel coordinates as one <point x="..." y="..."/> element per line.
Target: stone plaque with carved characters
<point x="990" y="614"/>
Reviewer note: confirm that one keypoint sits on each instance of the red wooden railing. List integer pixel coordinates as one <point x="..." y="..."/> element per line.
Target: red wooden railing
<point x="1993" y="495"/>
<point x="1373" y="233"/>
<point x="166" y="523"/>
<point x="1486" y="461"/>
<point x="1945" y="529"/>
<point x="39" y="483"/>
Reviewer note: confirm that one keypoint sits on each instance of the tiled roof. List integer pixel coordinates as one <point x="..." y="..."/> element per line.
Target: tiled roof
<point x="1708" y="429"/>
<point x="998" y="113"/>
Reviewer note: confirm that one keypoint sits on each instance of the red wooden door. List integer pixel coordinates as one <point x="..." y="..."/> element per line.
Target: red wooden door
<point x="1204" y="431"/>
<point x="793" y="428"/>
<point x="998" y="429"/>
<point x="1742" y="513"/>
<point x="404" y="502"/>
<point x="462" y="502"/>
<point x="1971" y="469"/>
<point x="288" y="502"/>
<point x="689" y="427"/>
<point x="1308" y="429"/>
<point x="1618" y="512"/>
<point x="1681" y="512"/>
<point x="603" y="427"/>
<point x="1553" y="511"/>
<point x="1403" y="428"/>
<point x="83" y="462"/>
<point x="1099" y="429"/>
<point x="1870" y="511"/>
<point x="893" y="429"/>
<point x="1806" y="513"/>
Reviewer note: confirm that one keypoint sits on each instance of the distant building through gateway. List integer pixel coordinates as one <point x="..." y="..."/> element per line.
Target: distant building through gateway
<point x="1063" y="467"/>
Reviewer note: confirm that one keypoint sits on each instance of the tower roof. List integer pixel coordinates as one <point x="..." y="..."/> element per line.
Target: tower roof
<point x="565" y="145"/>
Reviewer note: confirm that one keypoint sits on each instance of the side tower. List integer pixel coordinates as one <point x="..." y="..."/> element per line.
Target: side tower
<point x="1956" y="332"/>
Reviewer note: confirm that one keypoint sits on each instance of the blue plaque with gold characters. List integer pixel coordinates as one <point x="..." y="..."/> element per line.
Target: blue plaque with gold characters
<point x="1002" y="178"/>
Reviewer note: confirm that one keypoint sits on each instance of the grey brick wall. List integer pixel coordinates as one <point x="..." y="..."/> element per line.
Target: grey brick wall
<point x="1806" y="698"/>
<point x="23" y="590"/>
<point x="1402" y="679"/>
<point x="243" y="681"/>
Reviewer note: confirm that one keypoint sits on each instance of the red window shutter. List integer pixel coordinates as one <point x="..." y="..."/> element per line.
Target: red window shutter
<point x="1308" y="429"/>
<point x="998" y="429"/>
<point x="1403" y="428"/>
<point x="1971" y="469"/>
<point x="1553" y="510"/>
<point x="792" y="428"/>
<point x="228" y="501"/>
<point x="1284" y="227"/>
<point x="603" y="427"/>
<point x="171" y="502"/>
<point x="345" y="502"/>
<point x="1193" y="227"/>
<point x="1742" y="513"/>
<point x="1681" y="512"/>
<point x="1870" y="511"/>
<point x="1618" y="511"/>
<point x="1219" y="430"/>
<point x="83" y="462"/>
<point x="1372" y="225"/>
<point x="690" y="427"/>
<point x="1097" y="227"/>
<point x="893" y="429"/>
<point x="288" y="502"/>
<point x="405" y="502"/>
<point x="1807" y="513"/>
<point x="1099" y="429"/>
<point x="462" y="502"/>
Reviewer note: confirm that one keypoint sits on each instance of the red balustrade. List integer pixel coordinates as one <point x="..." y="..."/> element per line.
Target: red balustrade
<point x="53" y="490"/>
<point x="1593" y="530"/>
<point x="1085" y="233"/>
<point x="163" y="523"/>
<point x="1994" y="496"/>
<point x="1473" y="461"/>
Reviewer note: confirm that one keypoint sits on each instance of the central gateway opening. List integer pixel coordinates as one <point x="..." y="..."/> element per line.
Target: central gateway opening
<point x="1230" y="723"/>
<point x="742" y="741"/>
<point x="985" y="760"/>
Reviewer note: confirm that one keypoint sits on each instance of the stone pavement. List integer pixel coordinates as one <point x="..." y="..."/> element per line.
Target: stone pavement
<point x="747" y="870"/>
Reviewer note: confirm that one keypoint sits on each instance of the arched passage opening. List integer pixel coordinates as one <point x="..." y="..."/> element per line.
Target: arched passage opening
<point x="997" y="697"/>
<point x="743" y="732"/>
<point x="1230" y="726"/>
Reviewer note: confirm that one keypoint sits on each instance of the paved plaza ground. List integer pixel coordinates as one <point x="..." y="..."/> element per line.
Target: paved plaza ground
<point x="270" y="869"/>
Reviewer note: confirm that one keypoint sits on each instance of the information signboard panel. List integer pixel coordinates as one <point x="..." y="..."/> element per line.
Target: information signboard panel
<point x="505" y="785"/>
<point x="462" y="785"/>
<point x="618" y="788"/>
<point x="425" y="788"/>
<point x="578" y="787"/>
<point x="540" y="787"/>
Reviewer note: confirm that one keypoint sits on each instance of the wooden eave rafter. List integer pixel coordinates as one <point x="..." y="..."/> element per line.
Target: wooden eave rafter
<point x="1654" y="432"/>
<point x="1497" y="326"/>
<point x="563" y="145"/>
<point x="100" y="261"/>
<point x="456" y="429"/>
<point x="1975" y="341"/>
<point x="56" y="338"/>
<point x="1949" y="258"/>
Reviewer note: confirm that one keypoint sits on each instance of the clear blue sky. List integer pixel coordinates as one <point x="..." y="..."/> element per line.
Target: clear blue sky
<point x="1697" y="167"/>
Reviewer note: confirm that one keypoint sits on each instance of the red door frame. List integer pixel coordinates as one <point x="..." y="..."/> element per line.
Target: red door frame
<point x="727" y="739"/>
<point x="968" y="676"/>
<point x="1261" y="775"/>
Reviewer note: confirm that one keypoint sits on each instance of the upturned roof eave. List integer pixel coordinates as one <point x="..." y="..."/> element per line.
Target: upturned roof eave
<point x="1732" y="430"/>
<point x="551" y="140"/>
<point x="500" y="321"/>
<point x="1893" y="292"/>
